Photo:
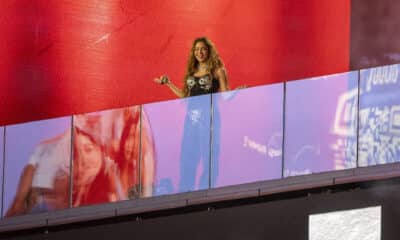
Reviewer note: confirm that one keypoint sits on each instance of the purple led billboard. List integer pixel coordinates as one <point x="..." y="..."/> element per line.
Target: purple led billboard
<point x="37" y="166"/>
<point x="106" y="156"/>
<point x="181" y="131"/>
<point x="379" y="117"/>
<point x="321" y="124"/>
<point x="247" y="135"/>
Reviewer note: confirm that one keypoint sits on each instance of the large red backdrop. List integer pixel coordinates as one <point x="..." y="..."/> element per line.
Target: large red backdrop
<point x="65" y="57"/>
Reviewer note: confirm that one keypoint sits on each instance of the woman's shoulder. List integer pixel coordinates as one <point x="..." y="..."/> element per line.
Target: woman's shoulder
<point x="218" y="72"/>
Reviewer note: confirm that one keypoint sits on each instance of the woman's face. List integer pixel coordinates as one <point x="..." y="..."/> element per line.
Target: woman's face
<point x="201" y="51"/>
<point x="88" y="162"/>
<point x="129" y="144"/>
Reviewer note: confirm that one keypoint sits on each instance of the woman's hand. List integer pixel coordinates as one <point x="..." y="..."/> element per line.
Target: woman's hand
<point x="162" y="80"/>
<point x="158" y="79"/>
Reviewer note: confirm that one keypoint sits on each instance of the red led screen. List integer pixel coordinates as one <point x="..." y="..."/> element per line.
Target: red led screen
<point x="66" y="57"/>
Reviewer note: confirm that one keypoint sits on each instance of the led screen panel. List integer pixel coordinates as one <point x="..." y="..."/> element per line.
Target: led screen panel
<point x="106" y="156"/>
<point x="355" y="224"/>
<point x="60" y="52"/>
<point x="321" y="124"/>
<point x="37" y="166"/>
<point x="181" y="131"/>
<point x="247" y="135"/>
<point x="379" y="118"/>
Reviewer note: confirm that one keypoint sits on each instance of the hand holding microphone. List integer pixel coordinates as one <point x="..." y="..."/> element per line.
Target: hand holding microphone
<point x="162" y="80"/>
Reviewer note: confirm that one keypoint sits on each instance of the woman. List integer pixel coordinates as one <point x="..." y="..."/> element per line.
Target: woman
<point x="43" y="183"/>
<point x="106" y="157"/>
<point x="204" y="63"/>
<point x="205" y="74"/>
<point x="92" y="181"/>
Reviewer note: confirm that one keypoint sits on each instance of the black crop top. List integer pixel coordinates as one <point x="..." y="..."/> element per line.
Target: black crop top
<point x="202" y="85"/>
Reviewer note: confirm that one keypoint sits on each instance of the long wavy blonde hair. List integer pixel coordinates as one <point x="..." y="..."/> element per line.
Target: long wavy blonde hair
<point x="213" y="61"/>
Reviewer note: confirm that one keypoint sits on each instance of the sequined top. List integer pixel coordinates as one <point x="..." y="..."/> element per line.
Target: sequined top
<point x="202" y="85"/>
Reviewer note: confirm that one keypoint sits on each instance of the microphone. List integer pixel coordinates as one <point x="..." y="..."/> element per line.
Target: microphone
<point x="164" y="80"/>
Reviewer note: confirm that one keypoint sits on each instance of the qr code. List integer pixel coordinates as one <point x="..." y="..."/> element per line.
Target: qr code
<point x="379" y="135"/>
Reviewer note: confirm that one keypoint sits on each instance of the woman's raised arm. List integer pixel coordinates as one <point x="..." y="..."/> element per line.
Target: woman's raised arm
<point x="164" y="80"/>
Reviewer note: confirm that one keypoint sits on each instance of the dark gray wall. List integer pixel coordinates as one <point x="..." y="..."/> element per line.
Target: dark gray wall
<point x="274" y="217"/>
